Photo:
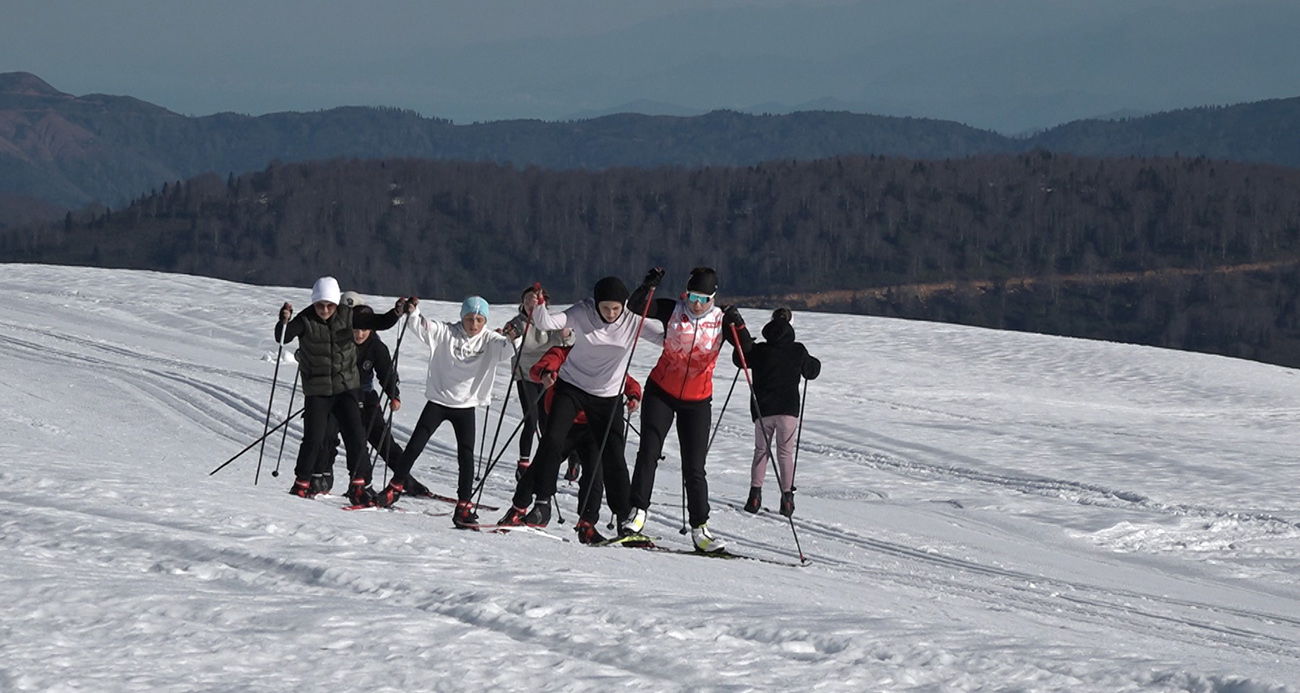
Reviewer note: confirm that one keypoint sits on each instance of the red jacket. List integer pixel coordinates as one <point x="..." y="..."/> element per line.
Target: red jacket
<point x="551" y="362"/>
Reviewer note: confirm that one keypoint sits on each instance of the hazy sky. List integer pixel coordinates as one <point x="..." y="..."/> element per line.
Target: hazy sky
<point x="257" y="56"/>
<point x="1008" y="65"/>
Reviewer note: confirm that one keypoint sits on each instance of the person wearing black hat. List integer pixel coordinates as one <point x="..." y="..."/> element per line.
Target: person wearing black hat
<point x="681" y="386"/>
<point x="590" y="380"/>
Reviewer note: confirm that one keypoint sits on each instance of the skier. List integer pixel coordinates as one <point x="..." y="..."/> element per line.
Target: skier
<point x="463" y="357"/>
<point x="777" y="365"/>
<point x="375" y="365"/>
<point x="681" y="385"/>
<point x="591" y="380"/>
<point x="330" y="381"/>
<point x="582" y="443"/>
<point x="535" y="343"/>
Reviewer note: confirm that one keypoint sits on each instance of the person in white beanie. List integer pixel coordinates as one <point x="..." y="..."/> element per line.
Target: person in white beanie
<point x="330" y="381"/>
<point x="463" y="359"/>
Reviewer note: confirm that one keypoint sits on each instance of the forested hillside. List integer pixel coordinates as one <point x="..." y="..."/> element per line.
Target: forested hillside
<point x="72" y="150"/>
<point x="1179" y="252"/>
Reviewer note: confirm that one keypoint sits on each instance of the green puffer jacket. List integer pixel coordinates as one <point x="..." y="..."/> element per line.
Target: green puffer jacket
<point x="327" y="354"/>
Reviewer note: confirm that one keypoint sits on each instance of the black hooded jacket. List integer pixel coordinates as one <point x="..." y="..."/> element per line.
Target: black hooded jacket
<point x="777" y="366"/>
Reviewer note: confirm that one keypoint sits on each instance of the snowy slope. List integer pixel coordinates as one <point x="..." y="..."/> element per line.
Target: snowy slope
<point x="982" y="510"/>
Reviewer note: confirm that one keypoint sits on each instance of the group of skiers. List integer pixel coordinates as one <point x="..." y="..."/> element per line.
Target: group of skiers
<point x="571" y="370"/>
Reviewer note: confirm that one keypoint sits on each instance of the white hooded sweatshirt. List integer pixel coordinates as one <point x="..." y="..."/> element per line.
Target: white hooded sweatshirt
<point x="461" y="368"/>
<point x="601" y="350"/>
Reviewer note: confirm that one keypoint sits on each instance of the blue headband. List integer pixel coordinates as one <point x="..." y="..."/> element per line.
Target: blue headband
<point x="474" y="304"/>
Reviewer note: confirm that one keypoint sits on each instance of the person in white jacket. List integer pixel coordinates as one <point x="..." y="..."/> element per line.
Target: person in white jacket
<point x="591" y="380"/>
<point x="463" y="359"/>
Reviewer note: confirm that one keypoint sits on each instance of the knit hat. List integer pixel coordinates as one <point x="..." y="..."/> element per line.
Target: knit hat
<point x="703" y="281"/>
<point x="352" y="298"/>
<point x="474" y="304"/>
<point x="610" y="289"/>
<point x="325" y="289"/>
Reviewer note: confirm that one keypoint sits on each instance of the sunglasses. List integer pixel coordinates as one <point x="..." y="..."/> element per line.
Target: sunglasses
<point x="698" y="298"/>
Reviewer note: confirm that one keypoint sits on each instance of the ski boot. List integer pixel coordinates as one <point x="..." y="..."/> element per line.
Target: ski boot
<point x="755" y="502"/>
<point x="360" y="494"/>
<point x="302" y="488"/>
<point x="705" y="541"/>
<point x="513" y="517"/>
<point x="464" y="517"/>
<point x="787" y="503"/>
<point x="389" y="495"/>
<point x="540" y="515"/>
<point x="587" y="533"/>
<point x="634" y="522"/>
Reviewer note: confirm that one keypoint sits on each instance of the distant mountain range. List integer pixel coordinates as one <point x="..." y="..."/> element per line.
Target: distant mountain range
<point x="69" y="151"/>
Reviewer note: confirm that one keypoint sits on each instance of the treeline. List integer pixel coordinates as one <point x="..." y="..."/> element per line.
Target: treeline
<point x="73" y="150"/>
<point x="1031" y="242"/>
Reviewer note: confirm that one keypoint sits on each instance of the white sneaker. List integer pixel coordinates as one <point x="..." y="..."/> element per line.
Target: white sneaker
<point x="634" y="523"/>
<point x="705" y="541"/>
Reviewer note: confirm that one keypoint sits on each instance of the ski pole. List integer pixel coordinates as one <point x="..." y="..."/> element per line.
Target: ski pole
<point x="487" y="412"/>
<point x="744" y="366"/>
<point x="285" y="435"/>
<point x="478" y="490"/>
<point x="514" y="370"/>
<point x="803" y="401"/>
<point x="248" y="447"/>
<point x="275" y="377"/>
<point x="388" y="417"/>
<point x="722" y="413"/>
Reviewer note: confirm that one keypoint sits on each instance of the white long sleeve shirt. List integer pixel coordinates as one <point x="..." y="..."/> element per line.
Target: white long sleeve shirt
<point x="601" y="350"/>
<point x="461" y="368"/>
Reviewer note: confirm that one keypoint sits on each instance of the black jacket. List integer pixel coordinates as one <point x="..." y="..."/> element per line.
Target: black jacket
<point x="375" y="361"/>
<point x="327" y="352"/>
<point x="777" y="366"/>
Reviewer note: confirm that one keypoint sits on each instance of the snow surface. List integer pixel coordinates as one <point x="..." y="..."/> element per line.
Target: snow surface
<point x="982" y="510"/>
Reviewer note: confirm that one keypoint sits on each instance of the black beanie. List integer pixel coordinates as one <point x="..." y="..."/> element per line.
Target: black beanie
<point x="610" y="289"/>
<point x="703" y="281"/>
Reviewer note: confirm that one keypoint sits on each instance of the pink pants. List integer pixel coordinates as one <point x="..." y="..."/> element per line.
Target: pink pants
<point x="779" y="429"/>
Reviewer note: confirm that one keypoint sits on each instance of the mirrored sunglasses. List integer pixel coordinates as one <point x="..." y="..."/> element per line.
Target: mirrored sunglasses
<point x="698" y="298"/>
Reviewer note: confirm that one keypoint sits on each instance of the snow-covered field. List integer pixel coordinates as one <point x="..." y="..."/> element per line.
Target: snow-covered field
<point x="982" y="511"/>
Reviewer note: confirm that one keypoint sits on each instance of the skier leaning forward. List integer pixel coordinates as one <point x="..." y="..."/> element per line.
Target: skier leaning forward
<point x="681" y="385"/>
<point x="591" y="381"/>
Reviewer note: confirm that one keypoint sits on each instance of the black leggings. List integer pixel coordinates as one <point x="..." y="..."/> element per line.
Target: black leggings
<point x="603" y="414"/>
<point x="581" y="442"/>
<point x="693" y="419"/>
<point x="316" y="413"/>
<point x="462" y="422"/>
<point x="378" y="434"/>
<point x="530" y="396"/>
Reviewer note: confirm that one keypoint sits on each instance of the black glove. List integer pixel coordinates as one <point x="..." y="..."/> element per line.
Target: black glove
<point x="653" y="277"/>
<point x="731" y="317"/>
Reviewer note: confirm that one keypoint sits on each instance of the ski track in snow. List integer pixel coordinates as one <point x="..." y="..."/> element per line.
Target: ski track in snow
<point x="939" y="561"/>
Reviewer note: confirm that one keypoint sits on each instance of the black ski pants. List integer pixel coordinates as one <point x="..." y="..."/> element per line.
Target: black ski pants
<point x="603" y="414"/>
<point x="378" y="434"/>
<point x="530" y="400"/>
<point x="316" y="413"/>
<point x="582" y="443"/>
<point x="658" y="408"/>
<point x="462" y="423"/>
